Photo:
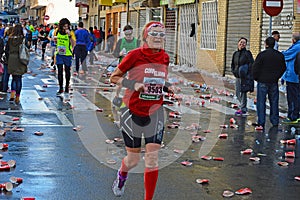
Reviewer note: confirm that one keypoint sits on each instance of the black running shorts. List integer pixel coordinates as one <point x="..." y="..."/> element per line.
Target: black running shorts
<point x="135" y="127"/>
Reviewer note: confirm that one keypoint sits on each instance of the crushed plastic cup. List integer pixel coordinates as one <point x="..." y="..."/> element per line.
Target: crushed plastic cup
<point x="38" y="133"/>
<point x="15" y="118"/>
<point x="175" y="114"/>
<point x="16" y="180"/>
<point x="243" y="191"/>
<point x="223" y="136"/>
<point x="206" y="157"/>
<point x="198" y="138"/>
<point x="202" y="181"/>
<point x="218" y="158"/>
<point x="228" y="193"/>
<point x="283" y="164"/>
<point x="289" y="160"/>
<point x="99" y="110"/>
<point x="207" y="131"/>
<point x="290" y="154"/>
<point x="202" y="103"/>
<point x="233" y="126"/>
<point x="224" y="126"/>
<point x="27" y="198"/>
<point x="179" y="151"/>
<point x="2" y="132"/>
<point x="4" y="167"/>
<point x="108" y="141"/>
<point x="186" y="163"/>
<point x="17" y="129"/>
<point x="247" y="151"/>
<point x="8" y="186"/>
<point x="288" y="142"/>
<point x="297" y="178"/>
<point x="4" y="146"/>
<point x="1" y="156"/>
<point x="232" y="121"/>
<point x="2" y="113"/>
<point x="77" y="128"/>
<point x="11" y="163"/>
<point x="254" y="159"/>
<point x="234" y="105"/>
<point x="172" y="126"/>
<point x="111" y="161"/>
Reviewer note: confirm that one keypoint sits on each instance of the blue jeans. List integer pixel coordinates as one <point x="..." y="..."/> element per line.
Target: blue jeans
<point x="5" y="79"/>
<point x="293" y="97"/>
<point x="16" y="83"/>
<point x="241" y="96"/>
<point x="270" y="89"/>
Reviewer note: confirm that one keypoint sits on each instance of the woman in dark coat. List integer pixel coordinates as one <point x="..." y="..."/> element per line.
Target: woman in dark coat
<point x="241" y="57"/>
<point x="15" y="67"/>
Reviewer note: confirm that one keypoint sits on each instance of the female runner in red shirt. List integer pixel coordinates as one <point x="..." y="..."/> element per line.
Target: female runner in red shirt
<point x="147" y="71"/>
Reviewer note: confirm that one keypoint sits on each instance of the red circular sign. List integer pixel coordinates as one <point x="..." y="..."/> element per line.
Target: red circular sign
<point x="273" y="7"/>
<point x="46" y="17"/>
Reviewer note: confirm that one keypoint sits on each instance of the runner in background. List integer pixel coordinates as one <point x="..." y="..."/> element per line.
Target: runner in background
<point x="52" y="44"/>
<point x="97" y="36"/>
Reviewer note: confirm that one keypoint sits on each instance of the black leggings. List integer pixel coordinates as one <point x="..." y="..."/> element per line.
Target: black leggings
<point x="60" y="76"/>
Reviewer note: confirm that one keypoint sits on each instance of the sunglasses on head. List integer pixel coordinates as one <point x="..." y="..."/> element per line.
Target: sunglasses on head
<point x="128" y="32"/>
<point x="157" y="34"/>
<point x="155" y="25"/>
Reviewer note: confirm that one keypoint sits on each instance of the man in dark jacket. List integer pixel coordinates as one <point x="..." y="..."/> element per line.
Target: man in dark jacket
<point x="268" y="67"/>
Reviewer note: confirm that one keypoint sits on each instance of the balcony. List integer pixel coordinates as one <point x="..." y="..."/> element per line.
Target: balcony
<point x="37" y="4"/>
<point x="83" y="3"/>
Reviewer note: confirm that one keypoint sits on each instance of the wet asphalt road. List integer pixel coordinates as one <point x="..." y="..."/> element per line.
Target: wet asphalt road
<point x="67" y="164"/>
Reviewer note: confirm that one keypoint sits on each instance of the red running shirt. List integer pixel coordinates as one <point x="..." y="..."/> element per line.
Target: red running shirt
<point x="140" y="63"/>
<point x="97" y="33"/>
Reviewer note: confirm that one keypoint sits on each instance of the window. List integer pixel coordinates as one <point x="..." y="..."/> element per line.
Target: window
<point x="209" y="25"/>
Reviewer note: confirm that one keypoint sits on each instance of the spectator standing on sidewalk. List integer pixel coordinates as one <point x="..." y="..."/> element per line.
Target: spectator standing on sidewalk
<point x="268" y="67"/>
<point x="65" y="41"/>
<point x="15" y="67"/>
<point x="80" y="50"/>
<point x="102" y="38"/>
<point x="241" y="57"/>
<point x="292" y="81"/>
<point x="141" y="115"/>
<point x="109" y="41"/>
<point x="276" y="36"/>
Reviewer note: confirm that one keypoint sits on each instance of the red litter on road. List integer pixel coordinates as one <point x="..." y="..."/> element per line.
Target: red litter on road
<point x="283" y="164"/>
<point x="218" y="158"/>
<point x="223" y="136"/>
<point x="247" y="151"/>
<point x="16" y="119"/>
<point x="288" y="142"/>
<point x="255" y="159"/>
<point x="186" y="163"/>
<point x="297" y="178"/>
<point x="206" y="157"/>
<point x="27" y="198"/>
<point x="232" y="121"/>
<point x="223" y="126"/>
<point x="7" y="186"/>
<point x="290" y="154"/>
<point x="202" y="181"/>
<point x="3" y="146"/>
<point x="38" y="133"/>
<point x="243" y="191"/>
<point x="2" y="132"/>
<point x="17" y="180"/>
<point x="4" y="167"/>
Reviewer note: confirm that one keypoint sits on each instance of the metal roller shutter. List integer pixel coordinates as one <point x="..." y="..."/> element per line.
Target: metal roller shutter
<point x="188" y="45"/>
<point x="282" y="23"/>
<point x="123" y="23"/>
<point x="238" y="25"/>
<point x="133" y="22"/>
<point x="171" y="29"/>
<point x="142" y="22"/>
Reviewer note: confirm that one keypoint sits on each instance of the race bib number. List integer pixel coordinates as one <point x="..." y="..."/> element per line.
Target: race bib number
<point x="153" y="88"/>
<point x="35" y="37"/>
<point x="61" y="50"/>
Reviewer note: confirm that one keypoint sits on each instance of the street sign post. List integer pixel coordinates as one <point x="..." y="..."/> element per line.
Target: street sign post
<point x="272" y="8"/>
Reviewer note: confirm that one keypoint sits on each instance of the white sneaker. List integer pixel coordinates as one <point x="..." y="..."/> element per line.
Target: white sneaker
<point x="118" y="186"/>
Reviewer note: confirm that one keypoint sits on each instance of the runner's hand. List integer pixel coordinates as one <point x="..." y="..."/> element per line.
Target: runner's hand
<point x="139" y="87"/>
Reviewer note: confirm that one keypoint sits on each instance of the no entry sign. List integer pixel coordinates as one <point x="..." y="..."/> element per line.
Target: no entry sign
<point x="273" y="7"/>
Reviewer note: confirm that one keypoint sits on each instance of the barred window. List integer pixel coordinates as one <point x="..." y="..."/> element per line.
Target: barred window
<point x="209" y="25"/>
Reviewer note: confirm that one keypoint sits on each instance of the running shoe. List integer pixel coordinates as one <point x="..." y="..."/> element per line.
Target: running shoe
<point x="59" y="92"/>
<point x="118" y="186"/>
<point x="289" y="121"/>
<point x="238" y="112"/>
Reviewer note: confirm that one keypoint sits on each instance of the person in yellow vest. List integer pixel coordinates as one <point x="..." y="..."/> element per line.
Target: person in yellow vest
<point x="65" y="41"/>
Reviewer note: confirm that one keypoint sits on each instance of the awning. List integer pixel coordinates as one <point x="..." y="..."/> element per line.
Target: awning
<point x="119" y="1"/>
<point x="180" y="2"/>
<point x="105" y="2"/>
